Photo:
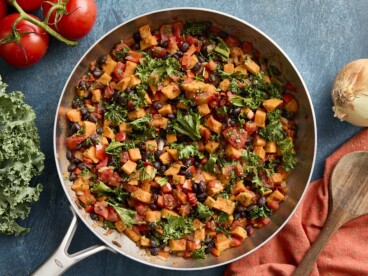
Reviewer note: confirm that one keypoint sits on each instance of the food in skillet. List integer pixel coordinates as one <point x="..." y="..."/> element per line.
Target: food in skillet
<point x="182" y="139"/>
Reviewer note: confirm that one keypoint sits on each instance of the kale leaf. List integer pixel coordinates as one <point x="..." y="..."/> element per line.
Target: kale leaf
<point x="188" y="125"/>
<point x="176" y="227"/>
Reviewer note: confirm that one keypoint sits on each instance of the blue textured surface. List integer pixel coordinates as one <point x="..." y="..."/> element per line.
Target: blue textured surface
<point x="319" y="36"/>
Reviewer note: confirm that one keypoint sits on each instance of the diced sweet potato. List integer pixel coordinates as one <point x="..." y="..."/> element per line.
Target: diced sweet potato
<point x="200" y="234"/>
<point x="90" y="153"/>
<point x="151" y="145"/>
<point x="74" y="115"/>
<point x="276" y="178"/>
<point x="153" y="216"/>
<point x="132" y="235"/>
<point x="105" y="79"/>
<point x="211" y="146"/>
<point x="89" y="128"/>
<point x="270" y="147"/>
<point x="108" y="132"/>
<point x="129" y="167"/>
<point x="171" y="91"/>
<point x="245" y="198"/>
<point x="141" y="195"/>
<point x="239" y="232"/>
<point x="208" y="176"/>
<point x="130" y="68"/>
<point x="271" y="104"/>
<point x="134" y="80"/>
<point x="284" y="174"/>
<point x="178" y="179"/>
<point x="125" y="127"/>
<point x="145" y="31"/>
<point x="215" y="188"/>
<point x="159" y="121"/>
<point x="260" y="118"/>
<point x="275" y="196"/>
<point x="120" y="226"/>
<point x="109" y="65"/>
<point x="96" y="95"/>
<point x="203" y="109"/>
<point x="252" y="66"/>
<point x="135" y="154"/>
<point x="242" y="69"/>
<point x="165" y="213"/>
<point x="239" y="187"/>
<point x="145" y="241"/>
<point x="165" y="158"/>
<point x="136" y="114"/>
<point x="174" y="169"/>
<point x="292" y="106"/>
<point x="123" y="84"/>
<point x="224" y="85"/>
<point x="171" y="138"/>
<point x="173" y="153"/>
<point x="213" y="125"/>
<point x="165" y="110"/>
<point x="260" y="152"/>
<point x="196" y="86"/>
<point x="80" y="184"/>
<point x="225" y="205"/>
<point x="229" y="68"/>
<point x="222" y="242"/>
<point x="177" y="245"/>
<point x="233" y="152"/>
<point x="210" y="202"/>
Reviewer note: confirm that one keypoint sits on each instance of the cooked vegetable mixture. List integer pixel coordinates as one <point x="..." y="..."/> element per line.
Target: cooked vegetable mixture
<point x="182" y="138"/>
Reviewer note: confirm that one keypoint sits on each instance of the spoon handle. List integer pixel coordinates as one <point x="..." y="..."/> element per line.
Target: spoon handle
<point x="333" y="222"/>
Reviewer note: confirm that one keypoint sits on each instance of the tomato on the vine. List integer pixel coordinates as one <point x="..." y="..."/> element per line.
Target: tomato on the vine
<point x="3" y="8"/>
<point x="30" y="5"/>
<point x="73" y="19"/>
<point x="32" y="42"/>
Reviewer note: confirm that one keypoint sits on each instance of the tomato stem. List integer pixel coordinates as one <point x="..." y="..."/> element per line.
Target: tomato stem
<point x="43" y="25"/>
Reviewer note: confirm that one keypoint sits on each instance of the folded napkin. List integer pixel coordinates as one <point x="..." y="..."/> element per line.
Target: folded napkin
<point x="346" y="253"/>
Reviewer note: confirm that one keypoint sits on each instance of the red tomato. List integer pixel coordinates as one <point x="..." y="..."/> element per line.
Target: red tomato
<point x="100" y="209"/>
<point x="120" y="136"/>
<point x="232" y="41"/>
<point x="188" y="185"/>
<point x="166" y="188"/>
<point x="290" y="87"/>
<point x="235" y="241"/>
<point x="87" y="198"/>
<point x="3" y="8"/>
<point x="73" y="141"/>
<point x="204" y="98"/>
<point x="169" y="201"/>
<point x="193" y="245"/>
<point x="192" y="199"/>
<point x="160" y="201"/>
<point x="247" y="48"/>
<point x="177" y="29"/>
<point x="34" y="42"/>
<point x="141" y="208"/>
<point x="236" y="137"/>
<point x="29" y="5"/>
<point x="100" y="152"/>
<point x="183" y="198"/>
<point x="184" y="210"/>
<point x="274" y="205"/>
<point x="112" y="215"/>
<point x="158" y="52"/>
<point x="165" y="31"/>
<point x="102" y="163"/>
<point x="287" y="98"/>
<point x="79" y="20"/>
<point x="250" y="127"/>
<point x="119" y="70"/>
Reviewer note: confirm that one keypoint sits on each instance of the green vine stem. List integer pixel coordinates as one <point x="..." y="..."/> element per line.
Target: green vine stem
<point x="43" y="25"/>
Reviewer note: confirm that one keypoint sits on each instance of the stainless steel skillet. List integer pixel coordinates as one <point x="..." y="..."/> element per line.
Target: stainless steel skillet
<point x="297" y="182"/>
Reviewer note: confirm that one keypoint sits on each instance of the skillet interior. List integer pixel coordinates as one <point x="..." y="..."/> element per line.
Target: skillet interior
<point x="306" y="139"/>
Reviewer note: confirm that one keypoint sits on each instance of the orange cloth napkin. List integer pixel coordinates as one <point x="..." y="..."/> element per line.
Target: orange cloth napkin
<point x="346" y="252"/>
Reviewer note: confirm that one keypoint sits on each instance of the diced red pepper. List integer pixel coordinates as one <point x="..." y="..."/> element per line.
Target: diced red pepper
<point x="287" y="98"/>
<point x="73" y="141"/>
<point x="232" y="41"/>
<point x="188" y="185"/>
<point x="165" y="31"/>
<point x="120" y="136"/>
<point x="166" y="188"/>
<point x="169" y="201"/>
<point x="247" y="48"/>
<point x="192" y="197"/>
<point x="119" y="70"/>
<point x="235" y="241"/>
<point x="100" y="152"/>
<point x="158" y="52"/>
<point x="290" y="87"/>
<point x="236" y="137"/>
<point x="100" y="209"/>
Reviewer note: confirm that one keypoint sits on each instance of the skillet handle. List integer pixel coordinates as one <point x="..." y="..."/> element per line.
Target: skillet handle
<point x="60" y="260"/>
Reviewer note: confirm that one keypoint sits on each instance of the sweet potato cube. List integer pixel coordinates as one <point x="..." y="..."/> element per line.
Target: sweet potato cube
<point x="90" y="153"/>
<point x="174" y="169"/>
<point x="132" y="235"/>
<point x="178" y="245"/>
<point x="74" y="115"/>
<point x="145" y="44"/>
<point x="292" y="106"/>
<point x="150" y="172"/>
<point x="208" y="176"/>
<point x="173" y="153"/>
<point x="242" y="69"/>
<point x="275" y="196"/>
<point x="259" y="141"/>
<point x="165" y="213"/>
<point x="245" y="198"/>
<point x="141" y="195"/>
<point x="89" y="128"/>
<point x="239" y="187"/>
<point x="165" y="110"/>
<point x="134" y="154"/>
<point x="129" y="167"/>
<point x="284" y="174"/>
<point x="211" y="146"/>
<point x="252" y="66"/>
<point x="178" y="179"/>
<point x="233" y="152"/>
<point x="120" y="226"/>
<point x="171" y="91"/>
<point x="271" y="147"/>
<point x="96" y="95"/>
<point x="123" y="84"/>
<point x="271" y="104"/>
<point x="133" y="182"/>
<point x="108" y="132"/>
<point x="151" y="145"/>
<point x="160" y="122"/>
<point x="203" y="109"/>
<point x="225" y="205"/>
<point x="229" y="68"/>
<point x="80" y="185"/>
<point x="153" y="216"/>
<point x="222" y="242"/>
<point x="134" y="80"/>
<point x="109" y="65"/>
<point x="217" y="188"/>
<point x="145" y="31"/>
<point x="210" y="202"/>
<point x="193" y="61"/>
<point x="130" y="68"/>
<point x="105" y="79"/>
<point x="136" y="114"/>
<point x="260" y="152"/>
<point x="125" y="127"/>
<point x="181" y="106"/>
<point x="239" y="232"/>
<point x="260" y="118"/>
<point x="145" y="241"/>
<point x="213" y="125"/>
<point x="165" y="158"/>
<point x="197" y="224"/>
<point x="171" y="138"/>
<point x="276" y="178"/>
<point x="224" y="85"/>
<point x="200" y="234"/>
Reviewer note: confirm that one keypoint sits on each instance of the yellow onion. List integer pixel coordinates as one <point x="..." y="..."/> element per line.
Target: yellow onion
<point x="350" y="93"/>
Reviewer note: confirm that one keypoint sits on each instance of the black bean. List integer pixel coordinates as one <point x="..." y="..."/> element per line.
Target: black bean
<point x="158" y="153"/>
<point x="154" y="251"/>
<point x="201" y="59"/>
<point x="192" y="212"/>
<point x="196" y="164"/>
<point x="251" y="207"/>
<point x="212" y="78"/>
<point x="79" y="146"/>
<point x="261" y="201"/>
<point x="93" y="216"/>
<point x="163" y="169"/>
<point x="204" y="49"/>
<point x="81" y="166"/>
<point x="184" y="47"/>
<point x="249" y="229"/>
<point x="208" y="240"/>
<point x="243" y="214"/>
<point x="76" y="103"/>
<point x="120" y="99"/>
<point x="136" y="46"/>
<point x="231" y="122"/>
<point x="69" y="155"/>
<point x="101" y="60"/>
<point x="183" y="171"/>
<point x="76" y="161"/>
<point x="72" y="176"/>
<point x="222" y="34"/>
<point x="71" y="167"/>
<point x="202" y="197"/>
<point x="137" y="36"/>
<point x="188" y="174"/>
<point x="237" y="215"/>
<point x="195" y="187"/>
<point x="97" y="72"/>
<point x="207" y="250"/>
<point x="197" y="67"/>
<point x="94" y="139"/>
<point x="99" y="130"/>
<point x="171" y="116"/>
<point x="83" y="111"/>
<point x="240" y="208"/>
<point x="163" y="244"/>
<point x="75" y="127"/>
<point x="179" y="53"/>
<point x="152" y="206"/>
<point x="92" y="118"/>
<point x="145" y="155"/>
<point x="156" y="165"/>
<point x="236" y="111"/>
<point x="164" y="44"/>
<point x="154" y="243"/>
<point x="166" y="56"/>
<point x="157" y="105"/>
<point x="175" y="56"/>
<point x="202" y="186"/>
<point x="188" y="162"/>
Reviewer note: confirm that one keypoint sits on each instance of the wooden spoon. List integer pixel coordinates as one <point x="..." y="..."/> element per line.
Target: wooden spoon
<point x="348" y="199"/>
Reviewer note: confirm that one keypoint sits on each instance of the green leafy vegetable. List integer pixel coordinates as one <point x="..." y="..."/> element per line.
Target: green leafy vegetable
<point x="288" y="153"/>
<point x="212" y="161"/>
<point x="188" y="125"/>
<point x="187" y="151"/>
<point x="259" y="212"/>
<point x="176" y="227"/>
<point x="241" y="101"/>
<point x="196" y="29"/>
<point x="162" y="181"/>
<point x="141" y="123"/>
<point x="273" y="130"/>
<point x="114" y="148"/>
<point x="199" y="253"/>
<point x="223" y="217"/>
<point x="204" y="213"/>
<point x="126" y="215"/>
<point x="115" y="195"/>
<point x="222" y="49"/>
<point x="20" y="160"/>
<point x="115" y="113"/>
